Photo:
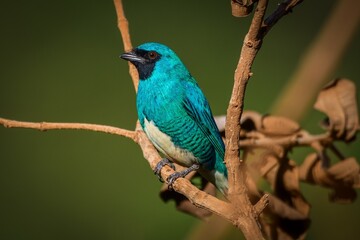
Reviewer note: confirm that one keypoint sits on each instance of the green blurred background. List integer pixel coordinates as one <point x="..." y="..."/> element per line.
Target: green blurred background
<point x="59" y="62"/>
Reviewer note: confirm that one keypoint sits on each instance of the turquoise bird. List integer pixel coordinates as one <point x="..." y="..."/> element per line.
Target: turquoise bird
<point x="176" y="116"/>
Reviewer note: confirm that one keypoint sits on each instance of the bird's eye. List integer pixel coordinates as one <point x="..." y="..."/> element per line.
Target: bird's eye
<point x="152" y="54"/>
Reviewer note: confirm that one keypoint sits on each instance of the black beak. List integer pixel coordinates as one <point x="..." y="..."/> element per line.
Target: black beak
<point x="132" y="57"/>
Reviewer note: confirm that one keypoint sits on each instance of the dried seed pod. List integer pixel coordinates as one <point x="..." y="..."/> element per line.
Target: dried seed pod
<point x="338" y="101"/>
<point x="278" y="126"/>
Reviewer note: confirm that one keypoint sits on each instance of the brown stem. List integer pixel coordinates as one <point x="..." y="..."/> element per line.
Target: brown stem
<point x="123" y="26"/>
<point x="249" y="50"/>
<point x="283" y="8"/>
<point x="296" y="140"/>
<point x="43" y="126"/>
<point x="236" y="169"/>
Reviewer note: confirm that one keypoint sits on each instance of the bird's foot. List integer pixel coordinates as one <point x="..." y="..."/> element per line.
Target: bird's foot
<point x="160" y="165"/>
<point x="171" y="179"/>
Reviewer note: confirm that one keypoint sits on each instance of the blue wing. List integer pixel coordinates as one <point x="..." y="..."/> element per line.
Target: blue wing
<point x="198" y="109"/>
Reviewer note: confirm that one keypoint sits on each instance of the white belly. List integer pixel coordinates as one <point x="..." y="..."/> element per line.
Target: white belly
<point x="164" y="144"/>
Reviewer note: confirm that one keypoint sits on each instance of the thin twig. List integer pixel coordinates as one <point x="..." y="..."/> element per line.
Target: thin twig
<point x="236" y="169"/>
<point x="284" y="8"/>
<point x="300" y="139"/>
<point x="123" y="26"/>
<point x="252" y="43"/>
<point x="251" y="46"/>
<point x="249" y="50"/>
<point x="44" y="126"/>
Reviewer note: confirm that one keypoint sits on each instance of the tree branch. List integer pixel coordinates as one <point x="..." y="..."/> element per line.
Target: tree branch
<point x="249" y="50"/>
<point x="251" y="46"/>
<point x="236" y="169"/>
<point x="44" y="126"/>
<point x="283" y="9"/>
<point x="123" y="26"/>
<point x="303" y="138"/>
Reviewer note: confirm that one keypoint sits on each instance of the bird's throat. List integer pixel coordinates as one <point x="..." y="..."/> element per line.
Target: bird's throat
<point x="145" y="70"/>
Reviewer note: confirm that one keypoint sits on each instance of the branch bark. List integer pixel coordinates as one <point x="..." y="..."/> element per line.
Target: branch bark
<point x="236" y="167"/>
<point x="249" y="50"/>
<point x="302" y="138"/>
<point x="283" y="9"/>
<point x="44" y="126"/>
<point x="123" y="25"/>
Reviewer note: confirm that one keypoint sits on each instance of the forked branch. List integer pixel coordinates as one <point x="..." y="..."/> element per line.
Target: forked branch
<point x="239" y="211"/>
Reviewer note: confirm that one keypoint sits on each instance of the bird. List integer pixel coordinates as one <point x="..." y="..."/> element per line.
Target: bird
<point x="176" y="116"/>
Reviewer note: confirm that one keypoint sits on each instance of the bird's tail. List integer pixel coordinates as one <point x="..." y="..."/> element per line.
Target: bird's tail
<point x="221" y="175"/>
<point x="216" y="173"/>
<point x="221" y="182"/>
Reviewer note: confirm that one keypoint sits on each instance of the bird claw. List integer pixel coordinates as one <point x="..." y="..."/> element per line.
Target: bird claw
<point x="172" y="178"/>
<point x="160" y="165"/>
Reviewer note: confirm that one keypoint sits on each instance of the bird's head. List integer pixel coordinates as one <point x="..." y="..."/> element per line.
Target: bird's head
<point x="154" y="58"/>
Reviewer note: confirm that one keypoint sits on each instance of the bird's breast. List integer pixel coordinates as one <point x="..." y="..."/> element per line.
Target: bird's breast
<point x="168" y="125"/>
<point x="165" y="144"/>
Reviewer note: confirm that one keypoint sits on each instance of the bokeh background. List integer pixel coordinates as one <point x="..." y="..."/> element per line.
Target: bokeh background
<point x="59" y="62"/>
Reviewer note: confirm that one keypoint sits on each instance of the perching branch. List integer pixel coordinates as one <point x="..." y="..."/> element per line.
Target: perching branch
<point x="184" y="186"/>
